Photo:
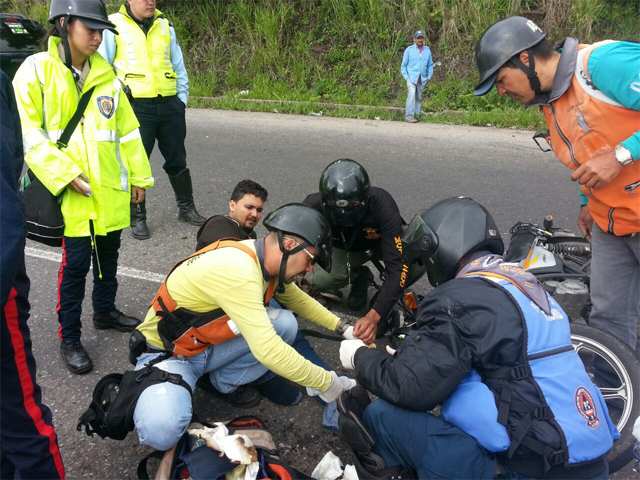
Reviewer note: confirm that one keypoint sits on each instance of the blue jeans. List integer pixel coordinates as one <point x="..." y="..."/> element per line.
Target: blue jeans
<point x="164" y="410"/>
<point x="431" y="446"/>
<point x="414" y="99"/>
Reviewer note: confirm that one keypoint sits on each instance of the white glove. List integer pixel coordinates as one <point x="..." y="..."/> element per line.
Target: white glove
<point x="348" y="352"/>
<point x="348" y="334"/>
<point x="338" y="385"/>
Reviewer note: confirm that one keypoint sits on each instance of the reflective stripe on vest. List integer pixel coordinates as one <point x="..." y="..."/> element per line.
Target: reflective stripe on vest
<point x="204" y="329"/>
<point x="576" y="404"/>
<point x="584" y="123"/>
<point x="143" y="62"/>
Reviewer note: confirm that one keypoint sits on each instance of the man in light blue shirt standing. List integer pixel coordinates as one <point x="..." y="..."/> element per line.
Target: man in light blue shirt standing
<point x="417" y="69"/>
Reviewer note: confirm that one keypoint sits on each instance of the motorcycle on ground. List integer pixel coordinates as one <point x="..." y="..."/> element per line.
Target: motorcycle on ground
<point x="561" y="262"/>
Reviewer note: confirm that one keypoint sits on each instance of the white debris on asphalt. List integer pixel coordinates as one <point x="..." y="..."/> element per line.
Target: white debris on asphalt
<point x="329" y="468"/>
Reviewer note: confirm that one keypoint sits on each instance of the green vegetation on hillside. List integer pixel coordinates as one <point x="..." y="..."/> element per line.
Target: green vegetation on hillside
<point x="349" y="51"/>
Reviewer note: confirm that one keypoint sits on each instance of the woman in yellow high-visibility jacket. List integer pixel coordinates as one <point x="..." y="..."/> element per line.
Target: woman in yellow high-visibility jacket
<point x="103" y="167"/>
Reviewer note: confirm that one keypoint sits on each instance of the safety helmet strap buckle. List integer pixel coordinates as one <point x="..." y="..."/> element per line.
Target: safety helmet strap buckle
<point x="530" y="70"/>
<point x="285" y="258"/>
<point x="64" y="35"/>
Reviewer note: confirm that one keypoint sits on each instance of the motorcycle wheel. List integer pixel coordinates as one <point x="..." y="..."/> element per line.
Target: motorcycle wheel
<point x="622" y="395"/>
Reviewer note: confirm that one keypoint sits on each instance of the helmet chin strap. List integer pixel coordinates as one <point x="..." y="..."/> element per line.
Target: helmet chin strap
<point x="530" y="71"/>
<point x="64" y="35"/>
<point x="285" y="257"/>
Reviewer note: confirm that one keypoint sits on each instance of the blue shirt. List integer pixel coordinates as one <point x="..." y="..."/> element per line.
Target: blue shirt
<point x="416" y="64"/>
<point x="108" y="51"/>
<point x="615" y="70"/>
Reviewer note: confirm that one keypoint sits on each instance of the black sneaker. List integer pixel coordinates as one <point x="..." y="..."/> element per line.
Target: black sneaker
<point x="244" y="396"/>
<point x="75" y="357"/>
<point x="363" y="278"/>
<point x="116" y="320"/>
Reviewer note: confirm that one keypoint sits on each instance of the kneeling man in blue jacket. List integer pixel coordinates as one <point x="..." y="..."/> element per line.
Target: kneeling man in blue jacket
<point x="493" y="348"/>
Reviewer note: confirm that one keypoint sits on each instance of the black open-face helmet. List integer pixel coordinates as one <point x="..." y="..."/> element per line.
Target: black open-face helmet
<point x="345" y="190"/>
<point x="92" y="13"/>
<point x="500" y="43"/>
<point x="306" y="223"/>
<point x="446" y="233"/>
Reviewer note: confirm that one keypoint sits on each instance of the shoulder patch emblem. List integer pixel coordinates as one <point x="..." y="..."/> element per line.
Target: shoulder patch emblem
<point x="586" y="407"/>
<point x="106" y="106"/>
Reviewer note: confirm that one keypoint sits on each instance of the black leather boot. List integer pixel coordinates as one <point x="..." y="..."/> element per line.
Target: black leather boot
<point x="183" y="189"/>
<point x="116" y="320"/>
<point x="139" y="229"/>
<point x="75" y="357"/>
<point x="244" y="397"/>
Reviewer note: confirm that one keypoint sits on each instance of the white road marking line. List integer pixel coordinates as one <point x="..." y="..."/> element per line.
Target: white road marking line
<point x="122" y="271"/>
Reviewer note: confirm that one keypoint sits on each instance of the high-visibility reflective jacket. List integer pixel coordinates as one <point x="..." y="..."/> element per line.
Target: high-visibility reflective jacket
<point x="105" y="146"/>
<point x="143" y="62"/>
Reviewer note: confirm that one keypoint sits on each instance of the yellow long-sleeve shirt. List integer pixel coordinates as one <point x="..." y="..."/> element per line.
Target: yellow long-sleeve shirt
<point x="230" y="279"/>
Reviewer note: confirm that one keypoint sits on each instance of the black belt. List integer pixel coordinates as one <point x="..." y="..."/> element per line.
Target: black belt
<point x="158" y="99"/>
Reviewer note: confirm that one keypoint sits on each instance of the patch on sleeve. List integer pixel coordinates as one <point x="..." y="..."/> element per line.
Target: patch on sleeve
<point x="105" y="105"/>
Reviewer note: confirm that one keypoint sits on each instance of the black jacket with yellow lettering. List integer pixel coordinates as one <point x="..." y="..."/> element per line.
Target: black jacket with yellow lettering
<point x="380" y="230"/>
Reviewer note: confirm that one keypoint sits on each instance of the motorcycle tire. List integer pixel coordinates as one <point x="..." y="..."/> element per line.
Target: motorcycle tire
<point x="589" y="342"/>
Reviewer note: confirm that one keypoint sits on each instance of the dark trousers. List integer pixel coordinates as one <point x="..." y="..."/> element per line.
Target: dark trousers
<point x="29" y="445"/>
<point x="77" y="255"/>
<point x="165" y="122"/>
<point x="304" y="348"/>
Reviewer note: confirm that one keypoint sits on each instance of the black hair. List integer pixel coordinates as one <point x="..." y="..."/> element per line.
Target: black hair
<point x="542" y="51"/>
<point x="53" y="32"/>
<point x="245" y="187"/>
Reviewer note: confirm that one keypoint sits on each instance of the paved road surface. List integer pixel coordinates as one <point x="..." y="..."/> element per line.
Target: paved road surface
<point x="419" y="164"/>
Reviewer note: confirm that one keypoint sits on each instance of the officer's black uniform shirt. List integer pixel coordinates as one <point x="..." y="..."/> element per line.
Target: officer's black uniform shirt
<point x="380" y="228"/>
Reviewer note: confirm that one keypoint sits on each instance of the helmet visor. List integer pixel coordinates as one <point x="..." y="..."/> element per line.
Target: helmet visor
<point x="346" y="216"/>
<point x="485" y="86"/>
<point x="98" y="24"/>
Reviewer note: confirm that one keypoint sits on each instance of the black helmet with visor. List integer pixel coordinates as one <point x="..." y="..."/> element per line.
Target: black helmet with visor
<point x="444" y="234"/>
<point x="345" y="189"/>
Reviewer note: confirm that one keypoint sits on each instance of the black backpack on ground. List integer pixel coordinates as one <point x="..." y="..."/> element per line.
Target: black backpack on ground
<point x="115" y="396"/>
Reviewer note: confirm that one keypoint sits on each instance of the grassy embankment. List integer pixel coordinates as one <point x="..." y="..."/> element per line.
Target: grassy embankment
<point x="318" y="53"/>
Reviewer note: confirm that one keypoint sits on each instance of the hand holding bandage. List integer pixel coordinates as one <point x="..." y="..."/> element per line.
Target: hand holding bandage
<point x="338" y="385"/>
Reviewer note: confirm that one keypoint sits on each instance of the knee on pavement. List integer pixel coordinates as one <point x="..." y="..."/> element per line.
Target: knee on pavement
<point x="285" y="325"/>
<point x="162" y="415"/>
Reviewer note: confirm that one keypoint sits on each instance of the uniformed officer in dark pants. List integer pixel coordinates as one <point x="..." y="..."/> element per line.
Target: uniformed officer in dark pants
<point x="29" y="446"/>
<point x="147" y="58"/>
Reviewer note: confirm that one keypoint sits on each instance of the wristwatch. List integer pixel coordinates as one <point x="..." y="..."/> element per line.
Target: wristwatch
<point x="342" y="327"/>
<point x="623" y="155"/>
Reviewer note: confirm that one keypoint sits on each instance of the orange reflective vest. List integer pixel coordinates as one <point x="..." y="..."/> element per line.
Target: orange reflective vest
<point x="185" y="332"/>
<point x="584" y="123"/>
